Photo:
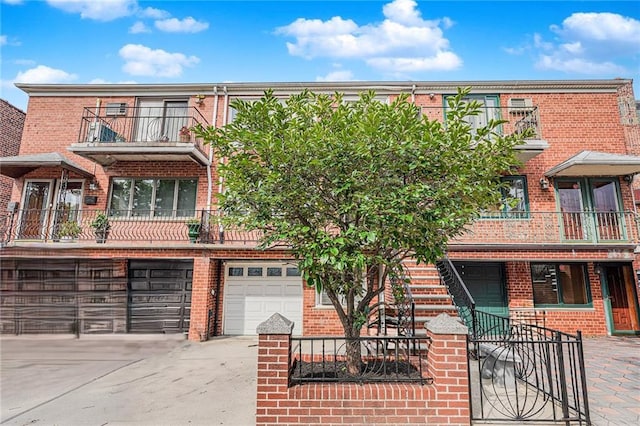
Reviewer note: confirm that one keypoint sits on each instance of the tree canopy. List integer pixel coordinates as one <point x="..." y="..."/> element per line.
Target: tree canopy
<point x="355" y="187"/>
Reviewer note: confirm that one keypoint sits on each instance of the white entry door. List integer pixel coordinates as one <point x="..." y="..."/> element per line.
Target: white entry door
<point x="255" y="291"/>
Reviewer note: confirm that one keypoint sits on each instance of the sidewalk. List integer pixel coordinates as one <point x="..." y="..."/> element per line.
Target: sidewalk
<point x="613" y="376"/>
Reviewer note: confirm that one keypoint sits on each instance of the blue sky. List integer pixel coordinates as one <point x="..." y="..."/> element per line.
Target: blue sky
<point x="127" y="41"/>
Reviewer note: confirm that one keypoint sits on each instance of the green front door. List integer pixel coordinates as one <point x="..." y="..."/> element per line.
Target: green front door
<point x="486" y="283"/>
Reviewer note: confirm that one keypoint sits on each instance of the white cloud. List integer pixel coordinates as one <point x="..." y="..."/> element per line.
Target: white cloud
<point x="25" y="62"/>
<point x="43" y="74"/>
<point x="186" y="25"/>
<point x="103" y="81"/>
<point x="100" y="10"/>
<point x="139" y="27"/>
<point x="144" y="61"/>
<point x="578" y="65"/>
<point x="403" y="41"/>
<point x="590" y="43"/>
<point x="154" y="13"/>
<point x="338" y="75"/>
<point x="442" y="61"/>
<point x="5" y="41"/>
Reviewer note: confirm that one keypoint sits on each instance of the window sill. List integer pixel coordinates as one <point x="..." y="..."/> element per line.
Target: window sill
<point x="556" y="308"/>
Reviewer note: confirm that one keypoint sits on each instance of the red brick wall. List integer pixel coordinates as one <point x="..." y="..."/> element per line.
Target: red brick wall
<point x="11" y="124"/>
<point x="445" y="402"/>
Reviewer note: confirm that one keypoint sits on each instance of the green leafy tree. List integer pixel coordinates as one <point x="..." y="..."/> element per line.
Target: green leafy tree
<point x="356" y="187"/>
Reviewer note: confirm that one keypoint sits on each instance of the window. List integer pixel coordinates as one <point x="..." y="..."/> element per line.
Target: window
<point x="560" y="284"/>
<point x="153" y="197"/>
<point x="489" y="110"/>
<point x="515" y="202"/>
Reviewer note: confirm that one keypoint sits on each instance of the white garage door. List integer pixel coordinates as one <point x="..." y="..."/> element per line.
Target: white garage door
<point x="254" y="292"/>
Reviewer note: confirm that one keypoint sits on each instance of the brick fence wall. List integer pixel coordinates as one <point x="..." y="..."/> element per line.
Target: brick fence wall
<point x="446" y="401"/>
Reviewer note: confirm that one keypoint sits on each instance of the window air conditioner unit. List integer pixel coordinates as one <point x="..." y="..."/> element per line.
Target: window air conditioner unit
<point x="114" y="109"/>
<point x="520" y="105"/>
<point x="100" y="132"/>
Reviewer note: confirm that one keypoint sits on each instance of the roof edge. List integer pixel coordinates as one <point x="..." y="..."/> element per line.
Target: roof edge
<point x="211" y="88"/>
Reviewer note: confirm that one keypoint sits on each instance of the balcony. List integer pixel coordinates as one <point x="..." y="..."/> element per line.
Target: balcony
<point x="518" y="120"/>
<point x="141" y="228"/>
<point x="140" y="134"/>
<point x="552" y="228"/>
<point x="133" y="228"/>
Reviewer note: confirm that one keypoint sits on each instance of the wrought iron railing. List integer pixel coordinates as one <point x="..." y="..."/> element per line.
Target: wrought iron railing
<point x="552" y="228"/>
<point x="141" y="125"/>
<point x="527" y="373"/>
<point x="135" y="226"/>
<point x="383" y="359"/>
<point x="150" y="226"/>
<point x="460" y="295"/>
<point x="518" y="120"/>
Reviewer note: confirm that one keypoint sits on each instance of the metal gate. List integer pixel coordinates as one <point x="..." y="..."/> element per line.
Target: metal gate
<point x="159" y="299"/>
<point x="526" y="373"/>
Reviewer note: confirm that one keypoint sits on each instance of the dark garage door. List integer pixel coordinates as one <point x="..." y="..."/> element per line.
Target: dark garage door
<point x="486" y="283"/>
<point x="159" y="296"/>
<point x="62" y="296"/>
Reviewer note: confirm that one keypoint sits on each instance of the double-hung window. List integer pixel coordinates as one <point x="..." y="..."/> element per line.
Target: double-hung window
<point x="141" y="197"/>
<point x="560" y="285"/>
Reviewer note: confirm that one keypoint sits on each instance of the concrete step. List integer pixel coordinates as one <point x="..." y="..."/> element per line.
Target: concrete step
<point x="421" y="298"/>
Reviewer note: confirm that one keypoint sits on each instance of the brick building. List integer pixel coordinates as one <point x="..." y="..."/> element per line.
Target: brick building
<point x="566" y="249"/>
<point x="11" y="123"/>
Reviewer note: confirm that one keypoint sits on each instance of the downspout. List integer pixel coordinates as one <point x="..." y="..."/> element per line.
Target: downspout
<point x="413" y="94"/>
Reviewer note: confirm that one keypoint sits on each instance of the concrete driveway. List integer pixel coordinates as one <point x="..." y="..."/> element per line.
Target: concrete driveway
<point x="127" y="380"/>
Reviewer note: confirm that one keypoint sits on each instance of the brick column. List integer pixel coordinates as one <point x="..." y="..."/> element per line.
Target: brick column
<point x="201" y="298"/>
<point x="274" y="347"/>
<point x="447" y="361"/>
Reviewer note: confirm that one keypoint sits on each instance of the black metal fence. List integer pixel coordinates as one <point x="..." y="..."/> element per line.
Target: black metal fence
<point x="526" y="373"/>
<point x="383" y="359"/>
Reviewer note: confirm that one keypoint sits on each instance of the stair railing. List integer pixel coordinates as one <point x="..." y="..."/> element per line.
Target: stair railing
<point x="405" y="306"/>
<point x="459" y="292"/>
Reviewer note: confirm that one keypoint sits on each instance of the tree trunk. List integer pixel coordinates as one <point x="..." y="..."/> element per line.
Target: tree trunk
<point x="354" y="352"/>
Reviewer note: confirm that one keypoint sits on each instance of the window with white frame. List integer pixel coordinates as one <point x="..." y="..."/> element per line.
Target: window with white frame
<point x="153" y="197"/>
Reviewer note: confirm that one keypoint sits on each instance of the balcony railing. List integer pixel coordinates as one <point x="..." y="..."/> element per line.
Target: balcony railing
<point x="552" y="228"/>
<point x="133" y="226"/>
<point x="518" y="120"/>
<point x="141" y="127"/>
<point x="142" y="226"/>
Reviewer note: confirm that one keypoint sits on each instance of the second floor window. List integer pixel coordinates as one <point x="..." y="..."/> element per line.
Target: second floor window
<point x="514" y="202"/>
<point x="153" y="197"/>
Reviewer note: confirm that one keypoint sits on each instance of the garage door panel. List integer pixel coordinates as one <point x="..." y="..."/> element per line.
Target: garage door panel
<point x="250" y="300"/>
<point x="159" y="296"/>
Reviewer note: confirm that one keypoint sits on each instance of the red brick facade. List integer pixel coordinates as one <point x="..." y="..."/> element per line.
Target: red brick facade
<point x="11" y="123"/>
<point x="572" y="117"/>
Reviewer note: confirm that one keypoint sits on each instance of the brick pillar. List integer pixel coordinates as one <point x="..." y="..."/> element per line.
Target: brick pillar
<point x="274" y="348"/>
<point x="201" y="298"/>
<point x="447" y="361"/>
